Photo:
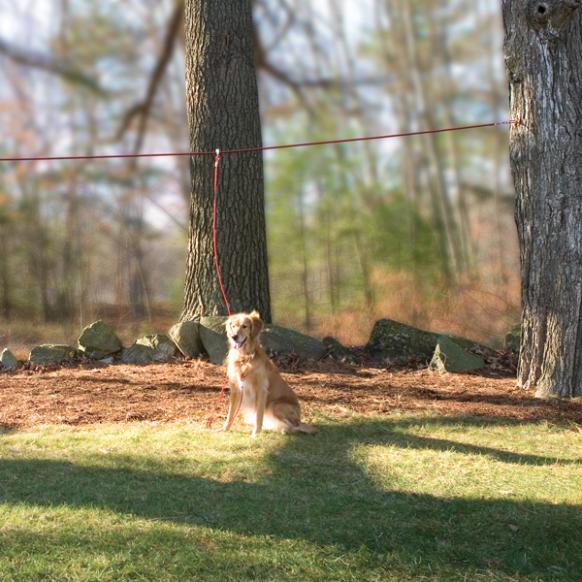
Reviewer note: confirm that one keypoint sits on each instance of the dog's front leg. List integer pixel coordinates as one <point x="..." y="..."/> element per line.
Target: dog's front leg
<point x="234" y="407"/>
<point x="261" y="402"/>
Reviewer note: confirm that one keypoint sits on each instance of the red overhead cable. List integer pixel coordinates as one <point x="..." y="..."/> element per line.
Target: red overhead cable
<point x="244" y="150"/>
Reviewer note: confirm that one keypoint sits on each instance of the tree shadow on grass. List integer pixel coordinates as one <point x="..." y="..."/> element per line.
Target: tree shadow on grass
<point x="315" y="491"/>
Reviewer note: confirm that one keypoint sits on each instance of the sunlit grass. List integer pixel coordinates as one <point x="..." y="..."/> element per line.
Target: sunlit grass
<point x="397" y="498"/>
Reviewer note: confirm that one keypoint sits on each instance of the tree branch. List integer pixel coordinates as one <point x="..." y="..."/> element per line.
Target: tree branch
<point x="142" y="109"/>
<point x="50" y="64"/>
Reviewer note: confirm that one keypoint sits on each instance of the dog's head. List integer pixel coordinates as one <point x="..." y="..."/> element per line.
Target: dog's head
<point x="243" y="330"/>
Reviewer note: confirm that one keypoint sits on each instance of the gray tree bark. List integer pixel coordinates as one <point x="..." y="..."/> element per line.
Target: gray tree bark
<point x="223" y="112"/>
<point x="543" y="47"/>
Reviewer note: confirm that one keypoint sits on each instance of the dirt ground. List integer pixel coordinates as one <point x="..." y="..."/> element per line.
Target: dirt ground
<point x="188" y="390"/>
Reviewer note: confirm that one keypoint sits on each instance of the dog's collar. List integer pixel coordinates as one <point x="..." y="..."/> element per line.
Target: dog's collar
<point x="243" y="362"/>
<point x="241" y="380"/>
<point x="243" y="357"/>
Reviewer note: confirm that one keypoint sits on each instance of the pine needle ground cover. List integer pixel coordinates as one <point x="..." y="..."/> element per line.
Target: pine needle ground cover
<point x="406" y="496"/>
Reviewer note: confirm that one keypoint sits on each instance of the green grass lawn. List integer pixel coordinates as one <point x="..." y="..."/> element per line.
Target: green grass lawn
<point x="371" y="498"/>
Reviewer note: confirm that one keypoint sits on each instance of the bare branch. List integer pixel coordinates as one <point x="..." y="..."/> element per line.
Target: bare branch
<point x="142" y="109"/>
<point x="50" y="64"/>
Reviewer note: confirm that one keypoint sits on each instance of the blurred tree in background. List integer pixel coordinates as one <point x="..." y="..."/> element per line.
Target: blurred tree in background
<point x="418" y="229"/>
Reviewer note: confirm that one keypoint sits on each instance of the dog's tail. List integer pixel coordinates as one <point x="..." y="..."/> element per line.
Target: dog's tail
<point x="306" y="428"/>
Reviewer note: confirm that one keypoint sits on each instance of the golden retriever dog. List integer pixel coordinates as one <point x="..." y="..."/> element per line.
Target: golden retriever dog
<point x="257" y="389"/>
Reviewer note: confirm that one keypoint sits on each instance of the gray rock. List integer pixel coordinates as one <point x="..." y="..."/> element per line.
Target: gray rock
<point x="399" y="342"/>
<point x="214" y="322"/>
<point x="99" y="340"/>
<point x="186" y="336"/>
<point x="282" y="340"/>
<point x="163" y="347"/>
<point x="451" y="357"/>
<point x="8" y="361"/>
<point x="51" y="354"/>
<point x="213" y="337"/>
<point x="337" y="350"/>
<point x="137" y="354"/>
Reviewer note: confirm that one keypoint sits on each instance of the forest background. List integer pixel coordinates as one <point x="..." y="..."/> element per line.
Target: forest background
<point x="420" y="229"/>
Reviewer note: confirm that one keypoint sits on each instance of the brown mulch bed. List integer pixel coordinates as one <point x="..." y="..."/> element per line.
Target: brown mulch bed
<point x="187" y="390"/>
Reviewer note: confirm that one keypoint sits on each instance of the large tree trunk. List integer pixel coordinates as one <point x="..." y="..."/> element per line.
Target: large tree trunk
<point x="223" y="112"/>
<point x="544" y="58"/>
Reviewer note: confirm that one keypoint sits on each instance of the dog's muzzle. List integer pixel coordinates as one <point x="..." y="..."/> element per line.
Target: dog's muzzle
<point x="239" y="343"/>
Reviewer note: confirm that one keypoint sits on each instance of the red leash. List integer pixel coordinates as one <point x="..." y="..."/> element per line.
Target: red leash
<point x="217" y="158"/>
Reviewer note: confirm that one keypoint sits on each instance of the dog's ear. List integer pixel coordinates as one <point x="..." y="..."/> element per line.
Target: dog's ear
<point x="257" y="322"/>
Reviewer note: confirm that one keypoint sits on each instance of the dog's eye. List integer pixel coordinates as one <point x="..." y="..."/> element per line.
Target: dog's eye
<point x="245" y="326"/>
